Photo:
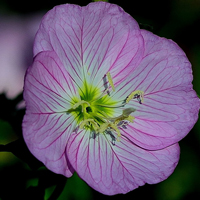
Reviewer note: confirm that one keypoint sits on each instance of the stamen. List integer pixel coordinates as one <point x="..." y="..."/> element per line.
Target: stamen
<point x="103" y="128"/>
<point x="124" y="116"/>
<point x="87" y="121"/>
<point x="123" y="124"/>
<point x="109" y="132"/>
<point x="76" y="105"/>
<point x="130" y="118"/>
<point x="97" y="109"/>
<point x="126" y="112"/>
<point x="138" y="94"/>
<point x="113" y="126"/>
<point x="110" y="81"/>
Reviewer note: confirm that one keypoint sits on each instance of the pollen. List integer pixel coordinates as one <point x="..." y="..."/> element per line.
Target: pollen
<point x="137" y="94"/>
<point x="95" y="111"/>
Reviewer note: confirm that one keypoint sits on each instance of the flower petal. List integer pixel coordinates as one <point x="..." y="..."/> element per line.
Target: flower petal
<point x="150" y="135"/>
<point x="46" y="136"/>
<point x="48" y="88"/>
<point x="111" y="40"/>
<point x="46" y="125"/>
<point x="170" y="108"/>
<point x="97" y="38"/>
<point x="120" y="168"/>
<point x="164" y="66"/>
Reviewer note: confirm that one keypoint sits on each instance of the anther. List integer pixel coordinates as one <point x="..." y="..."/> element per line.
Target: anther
<point x="110" y="81"/>
<point x="138" y="94"/>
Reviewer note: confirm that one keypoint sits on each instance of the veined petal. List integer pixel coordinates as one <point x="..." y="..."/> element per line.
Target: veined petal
<point x="119" y="168"/>
<point x="170" y="107"/>
<point x="46" y="136"/>
<point x="163" y="66"/>
<point x="111" y="40"/>
<point x="92" y="40"/>
<point x="46" y="125"/>
<point x="150" y="135"/>
<point x="48" y="87"/>
<point x="60" y="31"/>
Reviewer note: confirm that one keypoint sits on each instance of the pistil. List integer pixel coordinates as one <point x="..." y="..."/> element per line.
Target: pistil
<point x="94" y="111"/>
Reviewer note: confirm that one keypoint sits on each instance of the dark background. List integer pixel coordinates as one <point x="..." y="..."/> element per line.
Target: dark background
<point x="22" y="177"/>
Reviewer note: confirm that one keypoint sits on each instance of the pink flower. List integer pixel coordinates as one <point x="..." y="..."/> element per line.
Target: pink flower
<point x="107" y="99"/>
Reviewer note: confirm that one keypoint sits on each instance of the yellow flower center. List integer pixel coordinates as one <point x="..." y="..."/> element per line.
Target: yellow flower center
<point x="94" y="110"/>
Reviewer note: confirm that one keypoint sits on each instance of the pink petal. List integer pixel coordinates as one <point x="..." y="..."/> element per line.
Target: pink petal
<point x="170" y="108"/>
<point x="48" y="88"/>
<point x="46" y="125"/>
<point x="99" y="37"/>
<point x="150" y="135"/>
<point x="46" y="136"/>
<point x="112" y="169"/>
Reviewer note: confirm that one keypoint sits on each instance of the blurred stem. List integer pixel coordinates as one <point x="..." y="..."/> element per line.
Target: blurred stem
<point x="20" y="150"/>
<point x="59" y="188"/>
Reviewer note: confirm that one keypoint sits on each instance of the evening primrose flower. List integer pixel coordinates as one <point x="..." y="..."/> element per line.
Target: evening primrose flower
<point x="106" y="99"/>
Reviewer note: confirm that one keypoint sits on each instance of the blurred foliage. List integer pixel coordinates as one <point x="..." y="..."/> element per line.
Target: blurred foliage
<point x="24" y="177"/>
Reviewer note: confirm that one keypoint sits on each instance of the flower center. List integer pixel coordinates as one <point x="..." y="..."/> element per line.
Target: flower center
<point x="95" y="110"/>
